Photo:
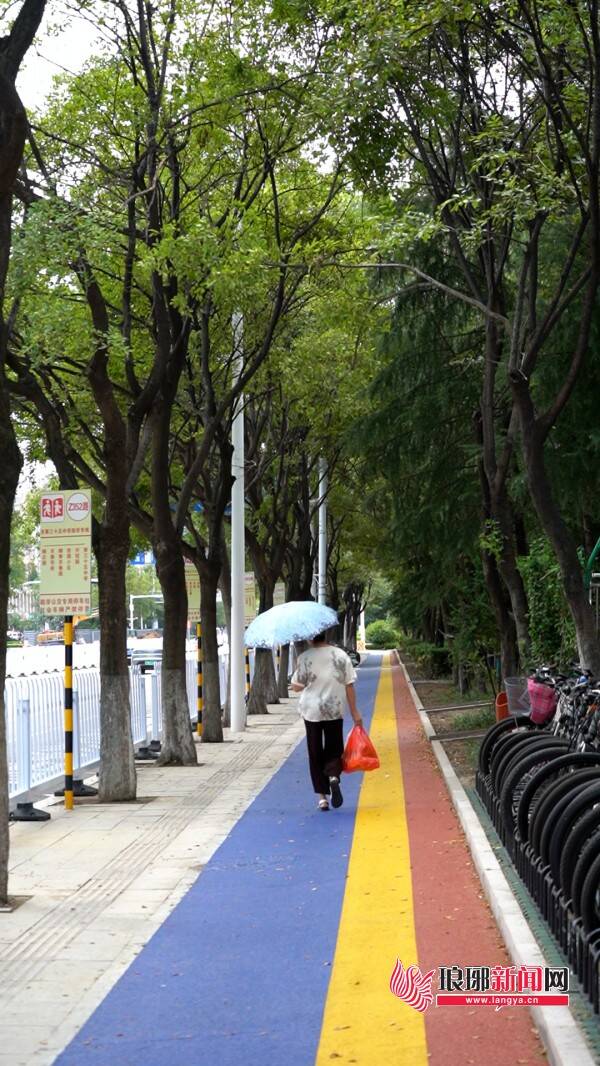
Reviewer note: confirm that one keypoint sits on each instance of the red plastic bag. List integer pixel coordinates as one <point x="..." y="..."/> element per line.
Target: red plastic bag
<point x="359" y="753"/>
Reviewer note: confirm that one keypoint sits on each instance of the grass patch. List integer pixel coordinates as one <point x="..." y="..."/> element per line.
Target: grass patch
<point x="481" y="718"/>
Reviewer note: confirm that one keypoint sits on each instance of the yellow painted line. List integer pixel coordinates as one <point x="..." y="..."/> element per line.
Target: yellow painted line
<point x="364" y="1023"/>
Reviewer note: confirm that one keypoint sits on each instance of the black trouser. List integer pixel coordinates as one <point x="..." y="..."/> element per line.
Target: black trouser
<point x="325" y="742"/>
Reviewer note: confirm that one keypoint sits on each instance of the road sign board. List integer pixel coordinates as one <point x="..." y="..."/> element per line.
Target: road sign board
<point x="192" y="584"/>
<point x="65" y="551"/>
<point x="249" y="598"/>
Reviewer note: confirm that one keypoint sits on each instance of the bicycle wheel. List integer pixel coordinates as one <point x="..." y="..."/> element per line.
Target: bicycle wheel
<point x="561" y="788"/>
<point x="515" y="757"/>
<point x="590" y="897"/>
<point x="521" y="745"/>
<point x="540" y="783"/>
<point x="589" y="854"/>
<point x="557" y="827"/>
<point x="574" y="844"/>
<point x="575" y="810"/>
<point x="494" y="734"/>
<point x="511" y="786"/>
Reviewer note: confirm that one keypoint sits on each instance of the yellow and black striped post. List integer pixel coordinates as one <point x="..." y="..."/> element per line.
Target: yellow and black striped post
<point x="247" y="661"/>
<point x="68" y="638"/>
<point x="199" y="679"/>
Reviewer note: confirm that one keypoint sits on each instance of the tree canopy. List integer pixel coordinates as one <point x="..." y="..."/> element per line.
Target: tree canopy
<point x="390" y="214"/>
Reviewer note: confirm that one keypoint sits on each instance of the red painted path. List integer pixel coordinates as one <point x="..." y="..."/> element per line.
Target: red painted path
<point x="454" y="924"/>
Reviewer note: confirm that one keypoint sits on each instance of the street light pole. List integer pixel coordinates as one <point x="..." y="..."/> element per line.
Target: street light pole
<point x="238" y="545"/>
<point x="322" y="594"/>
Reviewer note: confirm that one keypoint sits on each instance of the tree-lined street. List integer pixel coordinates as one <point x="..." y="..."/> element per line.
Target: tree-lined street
<point x="305" y="296"/>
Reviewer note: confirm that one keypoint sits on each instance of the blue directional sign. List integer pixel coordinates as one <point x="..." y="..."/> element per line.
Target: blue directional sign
<point x="142" y="559"/>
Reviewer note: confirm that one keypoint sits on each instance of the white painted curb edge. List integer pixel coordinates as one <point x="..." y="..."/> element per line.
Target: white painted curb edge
<point x="562" y="1037"/>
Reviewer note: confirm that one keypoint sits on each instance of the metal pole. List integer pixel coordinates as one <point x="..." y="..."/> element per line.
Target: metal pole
<point x="322" y="594"/>
<point x="238" y="546"/>
<point x="131" y="618"/>
<point x="362" y="630"/>
<point x="68" y="638"/>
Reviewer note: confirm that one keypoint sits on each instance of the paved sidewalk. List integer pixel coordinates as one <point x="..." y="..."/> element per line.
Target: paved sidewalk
<point x="280" y="953"/>
<point x="102" y="879"/>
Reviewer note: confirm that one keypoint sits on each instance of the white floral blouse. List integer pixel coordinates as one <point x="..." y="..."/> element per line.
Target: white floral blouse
<point x="324" y="671"/>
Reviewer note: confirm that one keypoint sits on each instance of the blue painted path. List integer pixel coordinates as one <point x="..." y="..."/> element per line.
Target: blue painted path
<point x="238" y="973"/>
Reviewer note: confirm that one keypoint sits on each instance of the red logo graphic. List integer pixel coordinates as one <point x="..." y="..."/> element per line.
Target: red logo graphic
<point x="411" y="986"/>
<point x="52" y="508"/>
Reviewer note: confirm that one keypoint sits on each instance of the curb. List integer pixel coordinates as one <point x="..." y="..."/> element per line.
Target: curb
<point x="562" y="1038"/>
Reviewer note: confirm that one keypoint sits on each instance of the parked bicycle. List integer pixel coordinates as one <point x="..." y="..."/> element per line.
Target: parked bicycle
<point x="539" y="778"/>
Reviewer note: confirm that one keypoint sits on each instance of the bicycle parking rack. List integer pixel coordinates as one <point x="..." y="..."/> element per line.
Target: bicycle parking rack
<point x="580" y="946"/>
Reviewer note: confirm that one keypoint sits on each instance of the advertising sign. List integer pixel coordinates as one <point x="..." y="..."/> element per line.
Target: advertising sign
<point x="249" y="598"/>
<point x="192" y="584"/>
<point x="65" y="551"/>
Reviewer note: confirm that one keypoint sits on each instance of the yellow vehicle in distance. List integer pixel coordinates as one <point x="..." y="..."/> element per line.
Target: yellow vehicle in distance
<point x="49" y="636"/>
<point x="56" y="636"/>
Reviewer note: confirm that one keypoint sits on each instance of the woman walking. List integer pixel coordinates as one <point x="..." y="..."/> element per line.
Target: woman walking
<point x="325" y="677"/>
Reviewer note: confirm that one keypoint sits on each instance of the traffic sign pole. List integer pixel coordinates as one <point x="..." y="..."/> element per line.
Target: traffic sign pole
<point x="68" y="639"/>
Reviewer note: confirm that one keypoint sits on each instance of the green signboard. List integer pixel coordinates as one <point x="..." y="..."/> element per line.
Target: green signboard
<point x="249" y="597"/>
<point x="192" y="584"/>
<point x="65" y="552"/>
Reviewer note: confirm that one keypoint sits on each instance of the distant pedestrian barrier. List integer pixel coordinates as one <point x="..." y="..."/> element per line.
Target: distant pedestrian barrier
<point x="35" y="720"/>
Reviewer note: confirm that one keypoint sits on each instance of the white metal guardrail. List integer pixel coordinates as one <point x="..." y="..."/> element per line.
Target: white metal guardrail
<point x="35" y="719"/>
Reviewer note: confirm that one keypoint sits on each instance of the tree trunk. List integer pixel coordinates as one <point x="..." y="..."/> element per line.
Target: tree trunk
<point x="558" y="533"/>
<point x="509" y="652"/>
<point x="284" y="663"/>
<point x="13" y="130"/>
<point x="502" y="578"/>
<point x="13" y="127"/>
<point x="117" y="777"/>
<point x="264" y="683"/>
<point x="9" y="477"/>
<point x="494" y="474"/>
<point x="178" y="748"/>
<point x="212" y="731"/>
<point x="502" y="511"/>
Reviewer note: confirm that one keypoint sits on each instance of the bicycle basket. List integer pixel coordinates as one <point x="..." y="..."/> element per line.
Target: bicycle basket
<point x="517" y="695"/>
<point x="543" y="700"/>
